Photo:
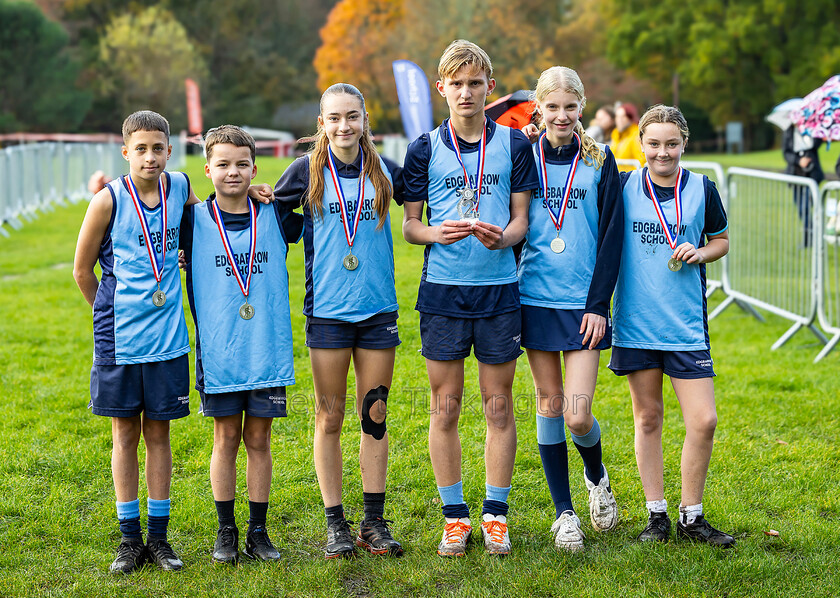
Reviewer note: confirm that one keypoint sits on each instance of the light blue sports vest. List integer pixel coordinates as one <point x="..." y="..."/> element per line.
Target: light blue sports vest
<point x="351" y="295"/>
<point x="239" y="354"/>
<point x="561" y="280"/>
<point x="654" y="308"/>
<point x="128" y="328"/>
<point x="468" y="262"/>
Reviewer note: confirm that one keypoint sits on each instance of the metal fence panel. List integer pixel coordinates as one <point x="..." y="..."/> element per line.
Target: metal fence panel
<point x="36" y="176"/>
<point x="714" y="171"/>
<point x="828" y="281"/>
<point x="773" y="253"/>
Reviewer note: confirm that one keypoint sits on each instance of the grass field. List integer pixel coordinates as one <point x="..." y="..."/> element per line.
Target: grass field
<point x="774" y="466"/>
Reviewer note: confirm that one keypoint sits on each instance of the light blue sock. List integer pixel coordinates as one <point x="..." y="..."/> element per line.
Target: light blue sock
<point x="452" y="498"/>
<point x="128" y="514"/>
<point x="158" y="518"/>
<point x="158" y="508"/>
<point x="589" y="447"/>
<point x="590" y="438"/>
<point x="497" y="493"/>
<point x="452" y="495"/>
<point x="128" y="510"/>
<point x="550" y="430"/>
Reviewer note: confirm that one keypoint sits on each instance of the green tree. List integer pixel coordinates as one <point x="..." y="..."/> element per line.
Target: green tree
<point x="734" y="59"/>
<point x="38" y="73"/>
<point x="144" y="59"/>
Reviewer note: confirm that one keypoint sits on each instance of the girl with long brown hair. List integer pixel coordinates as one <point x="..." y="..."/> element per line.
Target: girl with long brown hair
<point x="345" y="189"/>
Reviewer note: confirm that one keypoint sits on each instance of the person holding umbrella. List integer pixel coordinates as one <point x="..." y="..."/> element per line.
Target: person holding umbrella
<point x="802" y="159"/>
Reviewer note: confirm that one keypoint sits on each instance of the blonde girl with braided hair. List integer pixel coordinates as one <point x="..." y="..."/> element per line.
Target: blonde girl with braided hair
<point x="345" y="190"/>
<point x="567" y="273"/>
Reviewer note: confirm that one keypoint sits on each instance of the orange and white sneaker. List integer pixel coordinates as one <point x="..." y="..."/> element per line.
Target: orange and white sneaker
<point x="495" y="532"/>
<point x="456" y="534"/>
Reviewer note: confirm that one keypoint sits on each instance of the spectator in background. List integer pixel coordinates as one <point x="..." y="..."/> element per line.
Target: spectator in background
<point x="602" y="126"/>
<point x="800" y="152"/>
<point x="625" y="137"/>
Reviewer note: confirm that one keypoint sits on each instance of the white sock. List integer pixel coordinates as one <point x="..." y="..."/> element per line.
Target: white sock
<point x="690" y="513"/>
<point x="657" y="506"/>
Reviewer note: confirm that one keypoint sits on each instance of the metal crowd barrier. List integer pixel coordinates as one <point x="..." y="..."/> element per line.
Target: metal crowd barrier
<point x="775" y="220"/>
<point x="716" y="270"/>
<point x="34" y="177"/>
<point x="828" y="282"/>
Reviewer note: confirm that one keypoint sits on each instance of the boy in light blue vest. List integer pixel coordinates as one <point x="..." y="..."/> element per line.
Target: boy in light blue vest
<point x="237" y="284"/>
<point x="140" y="374"/>
<point x="476" y="179"/>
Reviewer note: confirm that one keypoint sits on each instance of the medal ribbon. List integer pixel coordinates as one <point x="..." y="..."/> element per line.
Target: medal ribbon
<point x="157" y="268"/>
<point x="672" y="239"/>
<point x="346" y="216"/>
<point x="567" y="191"/>
<point x="479" y="174"/>
<point x="245" y="286"/>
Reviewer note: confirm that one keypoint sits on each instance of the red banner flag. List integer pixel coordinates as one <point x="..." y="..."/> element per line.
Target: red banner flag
<point x="194" y="121"/>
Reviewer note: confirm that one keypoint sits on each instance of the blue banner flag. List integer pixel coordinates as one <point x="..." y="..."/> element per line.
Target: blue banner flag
<point x="415" y="101"/>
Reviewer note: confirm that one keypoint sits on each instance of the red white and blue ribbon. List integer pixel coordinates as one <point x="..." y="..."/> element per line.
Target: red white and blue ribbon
<point x="244" y="286"/>
<point x="348" y="219"/>
<point x="672" y="238"/>
<point x="567" y="190"/>
<point x="479" y="174"/>
<point x="157" y="267"/>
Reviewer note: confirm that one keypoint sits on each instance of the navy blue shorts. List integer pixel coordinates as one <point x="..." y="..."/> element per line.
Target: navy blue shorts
<point x="547" y="329"/>
<point x="676" y="364"/>
<point x="494" y="339"/>
<point x="340" y="335"/>
<point x="161" y="389"/>
<point x="259" y="402"/>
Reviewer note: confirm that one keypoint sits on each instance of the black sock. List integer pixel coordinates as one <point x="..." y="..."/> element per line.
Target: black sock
<point x="334" y="514"/>
<point x="374" y="504"/>
<point x="157" y="527"/>
<point x="593" y="467"/>
<point x="555" y="464"/>
<point x="258" y="512"/>
<point x="224" y="509"/>
<point x="494" y="507"/>
<point x="130" y="528"/>
<point x="457" y="511"/>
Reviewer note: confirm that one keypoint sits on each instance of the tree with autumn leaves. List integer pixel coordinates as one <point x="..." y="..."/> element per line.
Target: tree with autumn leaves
<point x="523" y="37"/>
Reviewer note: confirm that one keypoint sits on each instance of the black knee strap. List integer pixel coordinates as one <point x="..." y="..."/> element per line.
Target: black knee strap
<point x="370" y="427"/>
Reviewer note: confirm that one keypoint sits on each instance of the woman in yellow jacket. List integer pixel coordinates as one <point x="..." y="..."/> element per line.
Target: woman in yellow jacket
<point x="625" y="137"/>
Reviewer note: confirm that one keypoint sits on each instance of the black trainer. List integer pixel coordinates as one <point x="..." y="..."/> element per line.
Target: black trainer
<point x="226" y="548"/>
<point x="131" y="555"/>
<point x="339" y="540"/>
<point x="375" y="537"/>
<point x="702" y="531"/>
<point x="162" y="555"/>
<point x="258" y="545"/>
<point x="658" y="528"/>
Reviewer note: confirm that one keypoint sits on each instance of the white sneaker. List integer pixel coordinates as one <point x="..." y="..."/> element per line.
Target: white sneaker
<point x="603" y="511"/>
<point x="456" y="534"/>
<point x="495" y="532"/>
<point x="567" y="532"/>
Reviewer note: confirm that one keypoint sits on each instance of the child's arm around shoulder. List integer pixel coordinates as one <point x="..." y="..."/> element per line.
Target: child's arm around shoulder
<point x="95" y="224"/>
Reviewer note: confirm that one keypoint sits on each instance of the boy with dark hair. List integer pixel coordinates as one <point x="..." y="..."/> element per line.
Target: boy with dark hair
<point x="237" y="285"/>
<point x="140" y="374"/>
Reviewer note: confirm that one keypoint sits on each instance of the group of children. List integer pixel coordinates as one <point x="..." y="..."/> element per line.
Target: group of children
<point x="528" y="235"/>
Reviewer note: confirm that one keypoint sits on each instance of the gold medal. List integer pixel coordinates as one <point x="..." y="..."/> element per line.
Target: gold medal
<point x="158" y="298"/>
<point x="674" y="264"/>
<point x="246" y="312"/>
<point x="558" y="245"/>
<point x="350" y="261"/>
